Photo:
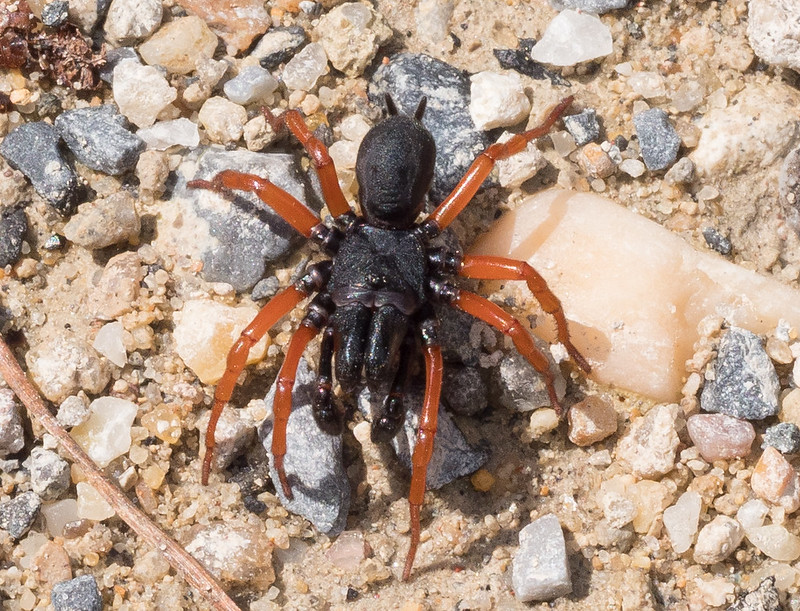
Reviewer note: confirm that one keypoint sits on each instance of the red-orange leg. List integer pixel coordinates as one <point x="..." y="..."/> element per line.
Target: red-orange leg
<point x="454" y="203"/>
<point x="337" y="204"/>
<point x="292" y="210"/>
<point x="276" y="308"/>
<point x="282" y="407"/>
<point x="503" y="321"/>
<point x="502" y="268"/>
<point x="423" y="450"/>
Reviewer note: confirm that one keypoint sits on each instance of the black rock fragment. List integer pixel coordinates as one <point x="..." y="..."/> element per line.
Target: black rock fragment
<point x="13" y="227"/>
<point x="520" y="60"/>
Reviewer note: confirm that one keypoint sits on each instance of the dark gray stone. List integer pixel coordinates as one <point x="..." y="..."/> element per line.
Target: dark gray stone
<point x="279" y="45"/>
<point x="658" y="140"/>
<point x="50" y="474"/>
<point x="598" y="7"/>
<point x="100" y="139"/>
<point x="520" y="60"/>
<point x="745" y="384"/>
<point x="408" y="77"/>
<point x="313" y="461"/>
<point x="246" y="233"/>
<point x="765" y="597"/>
<point x="454" y="332"/>
<point x="79" y="594"/>
<point x="464" y="391"/>
<point x="717" y="241"/>
<point x="583" y="126"/>
<point x="13" y="227"/>
<point x="452" y="456"/>
<point x="113" y="58"/>
<point x="17" y="514"/>
<point x="55" y="13"/>
<point x="784" y="437"/>
<point x="33" y="149"/>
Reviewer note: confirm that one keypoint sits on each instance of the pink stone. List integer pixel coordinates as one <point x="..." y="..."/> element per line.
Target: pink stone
<point x="591" y="420"/>
<point x="720" y="437"/>
<point x="237" y="22"/>
<point x="774" y="479"/>
<point x="348" y="551"/>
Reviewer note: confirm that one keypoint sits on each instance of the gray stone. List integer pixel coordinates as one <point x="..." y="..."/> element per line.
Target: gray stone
<point x="313" y="461"/>
<point x="50" y="474"/>
<point x="717" y="241"/>
<point x="100" y="139"/>
<point x="17" y="514"/>
<point x="13" y="227"/>
<point x="658" y="140"/>
<point x="408" y="77"/>
<point x="33" y="149"/>
<point x="464" y="391"/>
<point x="681" y="173"/>
<point x="765" y="597"/>
<point x="243" y="233"/>
<point x="12" y="435"/>
<point x="104" y="222"/>
<point x="454" y="333"/>
<point x="114" y="57"/>
<point x="55" y="14"/>
<point x="784" y="437"/>
<point x="279" y="45"/>
<point x="598" y="7"/>
<point x="79" y="594"/>
<point x="745" y="384"/>
<point x="520" y="387"/>
<point x="452" y="456"/>
<point x="583" y="126"/>
<point x="540" y="568"/>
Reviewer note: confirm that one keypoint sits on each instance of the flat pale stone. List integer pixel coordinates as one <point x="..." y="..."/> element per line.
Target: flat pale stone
<point x="204" y="333"/>
<point x="776" y="542"/>
<point x="107" y="433"/>
<point x="681" y="520"/>
<point x="717" y="540"/>
<point x="540" y="569"/>
<point x="91" y="505"/>
<point x="632" y="291"/>
<point x="179" y="44"/>
<point x="573" y="37"/>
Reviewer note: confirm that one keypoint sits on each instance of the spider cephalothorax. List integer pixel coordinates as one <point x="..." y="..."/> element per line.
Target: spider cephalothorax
<point x="372" y="298"/>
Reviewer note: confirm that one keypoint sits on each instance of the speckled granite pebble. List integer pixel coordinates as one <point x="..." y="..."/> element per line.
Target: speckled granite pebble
<point x="18" y="513"/>
<point x="13" y="227"/>
<point x="79" y="594"/>
<point x="657" y="137"/>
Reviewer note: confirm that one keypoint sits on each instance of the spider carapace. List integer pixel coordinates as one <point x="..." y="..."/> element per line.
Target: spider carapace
<point x="372" y="298"/>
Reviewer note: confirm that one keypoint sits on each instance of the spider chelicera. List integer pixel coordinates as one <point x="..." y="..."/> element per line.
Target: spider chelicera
<point x="372" y="298"/>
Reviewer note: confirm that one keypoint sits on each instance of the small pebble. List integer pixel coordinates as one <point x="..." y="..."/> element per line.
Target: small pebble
<point x="50" y="474"/>
<point x="519" y="60"/>
<point x="563" y="142"/>
<point x="717" y="540"/>
<point x="34" y="149"/>
<point x="519" y="385"/>
<point x="784" y="437"/>
<point x="776" y="480"/>
<point x="79" y="594"/>
<point x="100" y="139"/>
<point x="717" y="241"/>
<point x="348" y="551"/>
<point x="542" y="422"/>
<point x="237" y="23"/>
<point x="12" y="436"/>
<point x="515" y="170"/>
<point x="141" y="92"/>
<point x="464" y="391"/>
<point x="351" y="34"/>
<point x="540" y="568"/>
<point x="681" y="173"/>
<point x="688" y="96"/>
<point x="591" y="420"/>
<point x="765" y="597"/>
<point x="647" y="84"/>
<point x="51" y="564"/>
<point x="153" y="172"/>
<point x="179" y="45"/>
<point x="235" y="552"/>
<point x="773" y="32"/>
<point x="650" y="445"/>
<point x="584" y="126"/>
<point x="720" y="437"/>
<point x="107" y="433"/>
<point x="204" y="333"/>
<point x="118" y="287"/>
<point x="482" y="480"/>
<point x="745" y="384"/>
<point x="651" y="499"/>
<point x="571" y="38"/>
<point x="63" y="364"/>
<point x="233" y="435"/>
<point x="775" y="542"/>
<point x="752" y="514"/>
<point x="165" y="134"/>
<point x="278" y="45"/>
<point x="104" y="222"/>
<point x="131" y="21"/>
<point x="55" y="14"/>
<point x="658" y="139"/>
<point x="253" y="84"/>
<point x="13" y="227"/>
<point x="222" y="119"/>
<point x="57" y="515"/>
<point x="632" y="167"/>
<point x="91" y="505"/>
<point x="73" y="410"/>
<point x="305" y="68"/>
<point x="497" y="100"/>
<point x="109" y="342"/>
<point x="18" y="513"/>
<point x="681" y="520"/>
<point x="595" y="162"/>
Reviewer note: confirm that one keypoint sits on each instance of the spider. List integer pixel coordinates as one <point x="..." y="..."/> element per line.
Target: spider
<point x="372" y="298"/>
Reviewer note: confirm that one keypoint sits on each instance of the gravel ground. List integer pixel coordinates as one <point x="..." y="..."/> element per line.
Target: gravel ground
<point x="106" y="232"/>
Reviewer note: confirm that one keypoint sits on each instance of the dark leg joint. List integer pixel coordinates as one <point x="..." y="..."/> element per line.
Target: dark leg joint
<point x="315" y="278"/>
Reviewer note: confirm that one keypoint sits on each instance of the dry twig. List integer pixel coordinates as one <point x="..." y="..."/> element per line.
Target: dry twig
<point x="191" y="570"/>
